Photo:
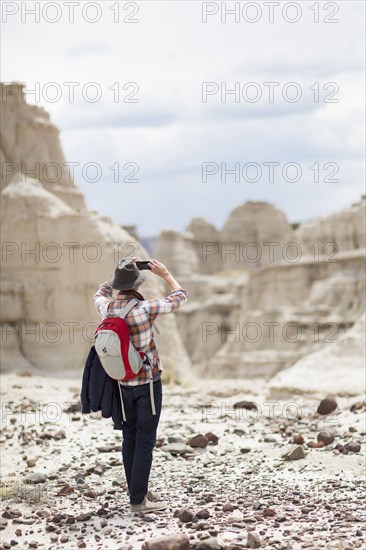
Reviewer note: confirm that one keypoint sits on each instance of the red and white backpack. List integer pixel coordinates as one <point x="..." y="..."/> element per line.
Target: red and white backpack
<point x="118" y="356"/>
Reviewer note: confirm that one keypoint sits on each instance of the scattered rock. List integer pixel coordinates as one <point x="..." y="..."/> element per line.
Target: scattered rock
<point x="298" y="439"/>
<point x="198" y="441"/>
<point x="65" y="490"/>
<point x="73" y="407"/>
<point x="109" y="449"/>
<point x="170" y="542"/>
<point x="228" y="507"/>
<point x="326" y="406"/>
<point x="83" y="517"/>
<point x="269" y="512"/>
<point x="212" y="438"/>
<point x="35" y="477"/>
<point x="99" y="469"/>
<point x="358" y="406"/>
<point x="43" y="513"/>
<point x="203" y="514"/>
<point x="70" y="520"/>
<point x="177" y="449"/>
<point x="353" y="447"/>
<point x="249" y="405"/>
<point x="148" y="519"/>
<point x="61" y="434"/>
<point x="185" y="515"/>
<point x="209" y="544"/>
<point x="326" y="437"/>
<point x="245" y="450"/>
<point x="10" y="514"/>
<point x="3" y="523"/>
<point x="94" y="493"/>
<point x="316" y="444"/>
<point x="296" y="452"/>
<point x="253" y="540"/>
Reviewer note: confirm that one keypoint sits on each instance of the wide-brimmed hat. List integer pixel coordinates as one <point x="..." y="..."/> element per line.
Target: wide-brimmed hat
<point x="126" y="276"/>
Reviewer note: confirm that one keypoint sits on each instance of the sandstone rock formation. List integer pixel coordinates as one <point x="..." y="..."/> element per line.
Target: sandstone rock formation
<point x="206" y="243"/>
<point x="55" y="255"/>
<point x="30" y="146"/>
<point x="346" y="228"/>
<point x="257" y="232"/>
<point x="337" y="370"/>
<point x="177" y="252"/>
<point x="258" y="322"/>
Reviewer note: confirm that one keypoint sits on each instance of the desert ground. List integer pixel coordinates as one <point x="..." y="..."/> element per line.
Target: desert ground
<point x="230" y="487"/>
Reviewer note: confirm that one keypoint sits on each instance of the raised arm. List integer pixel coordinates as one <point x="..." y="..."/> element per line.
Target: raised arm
<point x="176" y="298"/>
<point x="102" y="299"/>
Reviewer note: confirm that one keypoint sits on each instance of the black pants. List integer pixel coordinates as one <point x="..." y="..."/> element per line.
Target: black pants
<point x="139" y="436"/>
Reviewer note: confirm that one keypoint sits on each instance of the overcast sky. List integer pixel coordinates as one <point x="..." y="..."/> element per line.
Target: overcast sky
<point x="169" y="132"/>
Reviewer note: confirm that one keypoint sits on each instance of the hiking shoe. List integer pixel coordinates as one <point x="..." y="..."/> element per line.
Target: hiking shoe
<point x="154" y="497"/>
<point x="148" y="506"/>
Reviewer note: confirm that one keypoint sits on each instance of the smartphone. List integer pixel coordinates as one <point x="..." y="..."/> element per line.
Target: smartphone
<point x="142" y="265"/>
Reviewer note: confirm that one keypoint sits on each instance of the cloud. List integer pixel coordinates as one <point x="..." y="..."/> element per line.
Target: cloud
<point x="87" y="49"/>
<point x="170" y="132"/>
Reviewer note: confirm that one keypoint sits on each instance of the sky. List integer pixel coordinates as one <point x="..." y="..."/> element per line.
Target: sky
<point x="156" y="134"/>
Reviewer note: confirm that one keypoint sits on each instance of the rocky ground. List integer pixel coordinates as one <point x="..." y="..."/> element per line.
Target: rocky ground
<point x="268" y="474"/>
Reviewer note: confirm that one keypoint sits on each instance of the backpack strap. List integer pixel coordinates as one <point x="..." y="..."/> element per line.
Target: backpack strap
<point x="122" y="405"/>
<point x="128" y="308"/>
<point x="122" y="315"/>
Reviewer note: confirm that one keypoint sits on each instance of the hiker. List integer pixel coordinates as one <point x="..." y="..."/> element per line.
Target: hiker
<point x="141" y="398"/>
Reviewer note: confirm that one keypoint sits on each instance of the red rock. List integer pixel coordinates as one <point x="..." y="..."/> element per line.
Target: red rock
<point x="269" y="512"/>
<point x="198" y="441"/>
<point x="326" y="406"/>
<point x="65" y="490"/>
<point x="316" y="444"/>
<point x="298" y="439"/>
<point x="212" y="438"/>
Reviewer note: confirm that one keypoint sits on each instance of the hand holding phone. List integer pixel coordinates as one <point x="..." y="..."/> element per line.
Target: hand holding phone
<point x="142" y="265"/>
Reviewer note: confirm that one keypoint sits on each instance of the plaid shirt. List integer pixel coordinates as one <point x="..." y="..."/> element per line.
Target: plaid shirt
<point x="140" y="320"/>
